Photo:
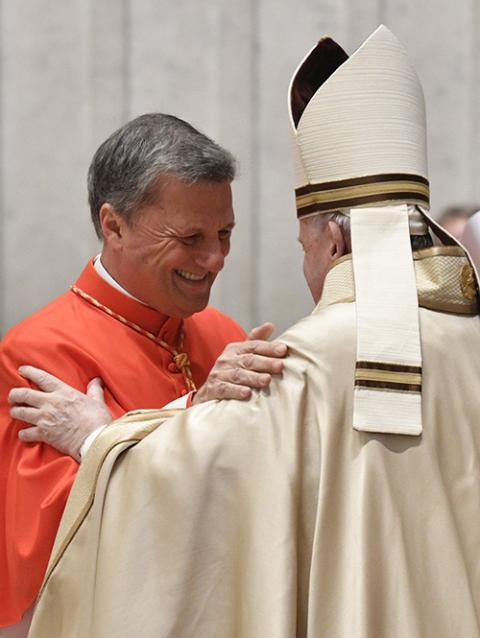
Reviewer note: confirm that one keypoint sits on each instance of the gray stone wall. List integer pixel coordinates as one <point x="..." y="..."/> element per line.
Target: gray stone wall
<point x="72" y="71"/>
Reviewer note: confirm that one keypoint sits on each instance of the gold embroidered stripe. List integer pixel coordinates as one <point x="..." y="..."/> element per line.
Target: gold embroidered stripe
<point x="329" y="207"/>
<point x="362" y="194"/>
<point x="387" y="376"/>
<point x="393" y="377"/>
<point x="360" y="181"/>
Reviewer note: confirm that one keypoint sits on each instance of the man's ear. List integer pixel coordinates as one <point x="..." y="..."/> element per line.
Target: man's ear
<point x="112" y="225"/>
<point x="337" y="242"/>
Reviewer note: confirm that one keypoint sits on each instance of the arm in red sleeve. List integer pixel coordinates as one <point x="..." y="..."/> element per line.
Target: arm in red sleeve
<point x="35" y="482"/>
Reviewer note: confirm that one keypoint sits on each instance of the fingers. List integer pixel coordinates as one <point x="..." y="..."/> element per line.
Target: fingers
<point x="221" y="390"/>
<point x="258" y="356"/>
<point x="264" y="331"/>
<point x="26" y="396"/>
<point x="95" y="390"/>
<point x="28" y="415"/>
<point x="227" y="390"/>
<point x="247" y="378"/>
<point x="30" y="435"/>
<point x="235" y="383"/>
<point x="264" y="348"/>
<point x="258" y="363"/>
<point x="242" y="367"/>
<point x="45" y="381"/>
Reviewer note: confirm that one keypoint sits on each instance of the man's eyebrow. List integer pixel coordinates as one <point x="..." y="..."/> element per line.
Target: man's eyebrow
<point x="197" y="231"/>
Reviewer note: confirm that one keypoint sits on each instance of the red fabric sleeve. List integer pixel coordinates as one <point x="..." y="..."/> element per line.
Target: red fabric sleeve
<point x="35" y="481"/>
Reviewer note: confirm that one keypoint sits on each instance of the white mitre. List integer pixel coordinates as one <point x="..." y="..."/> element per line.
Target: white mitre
<point x="359" y="131"/>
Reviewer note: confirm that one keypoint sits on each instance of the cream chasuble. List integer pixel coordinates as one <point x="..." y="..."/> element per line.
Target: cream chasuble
<point x="275" y="518"/>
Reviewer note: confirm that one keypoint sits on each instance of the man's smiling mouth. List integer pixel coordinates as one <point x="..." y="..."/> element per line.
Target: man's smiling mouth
<point x="190" y="276"/>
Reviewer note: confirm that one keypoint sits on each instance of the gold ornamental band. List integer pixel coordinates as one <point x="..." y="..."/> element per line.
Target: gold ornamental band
<point x="360" y="192"/>
<point x="388" y="376"/>
<point x="392" y="377"/>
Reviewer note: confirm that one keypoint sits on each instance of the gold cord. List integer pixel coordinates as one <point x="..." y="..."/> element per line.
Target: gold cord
<point x="180" y="359"/>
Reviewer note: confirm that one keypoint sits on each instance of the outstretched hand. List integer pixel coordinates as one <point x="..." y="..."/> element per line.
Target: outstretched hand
<point x="244" y="365"/>
<point x="62" y="416"/>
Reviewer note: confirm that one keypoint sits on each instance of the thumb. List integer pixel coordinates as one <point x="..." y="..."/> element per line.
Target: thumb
<point x="262" y="332"/>
<point x="95" y="390"/>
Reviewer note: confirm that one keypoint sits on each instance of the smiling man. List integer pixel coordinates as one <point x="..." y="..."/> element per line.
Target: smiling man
<point x="170" y="256"/>
<point x="137" y="318"/>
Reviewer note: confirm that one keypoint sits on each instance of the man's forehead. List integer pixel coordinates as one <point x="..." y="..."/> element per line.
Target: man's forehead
<point x="176" y="187"/>
<point x="198" y="215"/>
<point x="306" y="225"/>
<point x="176" y="201"/>
<point x="186" y="219"/>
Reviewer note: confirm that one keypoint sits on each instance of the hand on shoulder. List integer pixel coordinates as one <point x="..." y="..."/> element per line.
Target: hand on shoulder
<point x="244" y="366"/>
<point x="61" y="415"/>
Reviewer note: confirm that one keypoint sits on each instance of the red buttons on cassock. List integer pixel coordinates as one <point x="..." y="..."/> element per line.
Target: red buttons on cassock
<point x="172" y="367"/>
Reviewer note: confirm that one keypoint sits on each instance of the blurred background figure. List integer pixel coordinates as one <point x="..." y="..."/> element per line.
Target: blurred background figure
<point x="471" y="238"/>
<point x="455" y="217"/>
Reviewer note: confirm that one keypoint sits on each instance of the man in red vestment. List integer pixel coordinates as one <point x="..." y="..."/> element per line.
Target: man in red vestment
<point x="137" y="317"/>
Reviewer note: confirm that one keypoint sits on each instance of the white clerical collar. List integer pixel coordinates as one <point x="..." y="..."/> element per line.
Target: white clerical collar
<point x="106" y="276"/>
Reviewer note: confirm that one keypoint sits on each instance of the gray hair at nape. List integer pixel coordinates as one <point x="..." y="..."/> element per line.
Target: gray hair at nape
<point x="127" y="166"/>
<point x="343" y="221"/>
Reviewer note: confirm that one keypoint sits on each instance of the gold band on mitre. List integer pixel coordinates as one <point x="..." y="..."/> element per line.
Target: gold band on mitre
<point x="361" y="191"/>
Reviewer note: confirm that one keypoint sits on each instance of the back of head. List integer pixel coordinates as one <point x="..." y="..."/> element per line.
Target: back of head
<point x="131" y="161"/>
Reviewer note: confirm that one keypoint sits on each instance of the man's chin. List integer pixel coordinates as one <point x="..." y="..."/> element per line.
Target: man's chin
<point x="201" y="305"/>
<point x="188" y="300"/>
<point x="192" y="306"/>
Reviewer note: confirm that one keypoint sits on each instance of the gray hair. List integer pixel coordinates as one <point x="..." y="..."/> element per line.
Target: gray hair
<point x="129" y="163"/>
<point x="343" y="221"/>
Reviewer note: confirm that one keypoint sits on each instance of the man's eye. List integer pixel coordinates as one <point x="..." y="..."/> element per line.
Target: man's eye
<point x="224" y="234"/>
<point x="189" y="239"/>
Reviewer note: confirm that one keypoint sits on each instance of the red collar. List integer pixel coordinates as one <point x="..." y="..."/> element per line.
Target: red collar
<point x="157" y="323"/>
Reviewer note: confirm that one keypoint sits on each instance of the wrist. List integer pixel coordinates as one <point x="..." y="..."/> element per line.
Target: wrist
<point x="88" y="440"/>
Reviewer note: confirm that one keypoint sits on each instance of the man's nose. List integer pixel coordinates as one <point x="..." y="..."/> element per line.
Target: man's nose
<point x="212" y="257"/>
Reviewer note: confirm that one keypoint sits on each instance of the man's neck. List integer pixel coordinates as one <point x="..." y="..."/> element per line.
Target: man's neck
<point x="103" y="271"/>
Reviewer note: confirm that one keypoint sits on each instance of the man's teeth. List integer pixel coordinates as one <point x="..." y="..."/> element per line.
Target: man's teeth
<point x="189" y="275"/>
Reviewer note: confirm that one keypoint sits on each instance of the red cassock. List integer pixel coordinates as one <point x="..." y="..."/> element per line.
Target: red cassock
<point x="76" y="339"/>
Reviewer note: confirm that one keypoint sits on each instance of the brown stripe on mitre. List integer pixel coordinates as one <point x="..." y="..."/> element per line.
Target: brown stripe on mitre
<point x="362" y="191"/>
<point x="391" y="377"/>
<point x="360" y="181"/>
